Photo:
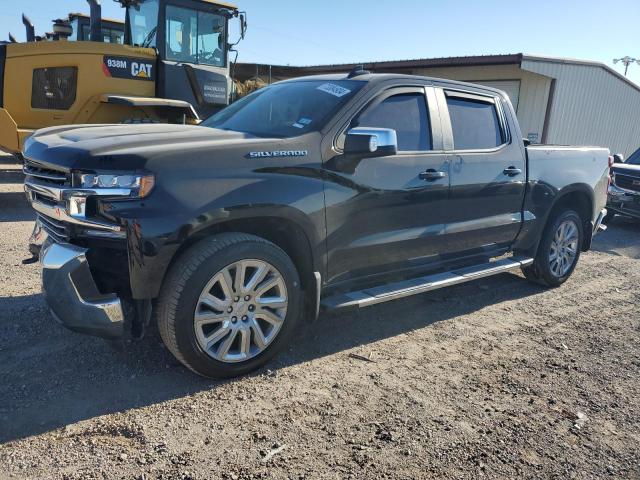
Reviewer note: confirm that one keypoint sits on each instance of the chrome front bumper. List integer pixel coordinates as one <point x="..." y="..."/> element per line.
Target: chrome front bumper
<point x="72" y="295"/>
<point x="623" y="201"/>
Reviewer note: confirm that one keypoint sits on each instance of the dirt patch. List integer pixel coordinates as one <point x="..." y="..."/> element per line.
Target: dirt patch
<point x="494" y="379"/>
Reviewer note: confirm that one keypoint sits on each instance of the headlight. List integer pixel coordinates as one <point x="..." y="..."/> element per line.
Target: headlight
<point x="139" y="185"/>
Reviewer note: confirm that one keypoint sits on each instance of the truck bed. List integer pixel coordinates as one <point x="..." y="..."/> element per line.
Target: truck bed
<point x="556" y="166"/>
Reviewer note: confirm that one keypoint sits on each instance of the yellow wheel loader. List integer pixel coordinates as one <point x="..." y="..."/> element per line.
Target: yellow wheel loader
<point x="173" y="67"/>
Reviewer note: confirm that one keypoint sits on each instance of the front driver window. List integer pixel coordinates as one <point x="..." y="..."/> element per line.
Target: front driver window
<point x="406" y="114"/>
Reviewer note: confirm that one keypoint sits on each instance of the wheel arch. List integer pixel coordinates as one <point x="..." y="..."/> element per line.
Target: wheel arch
<point x="579" y="198"/>
<point x="284" y="232"/>
<point x="545" y="201"/>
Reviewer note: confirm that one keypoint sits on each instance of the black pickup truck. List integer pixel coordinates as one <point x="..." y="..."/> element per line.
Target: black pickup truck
<point x="326" y="192"/>
<point x="624" y="191"/>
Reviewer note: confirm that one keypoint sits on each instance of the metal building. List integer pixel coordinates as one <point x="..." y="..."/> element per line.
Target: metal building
<point x="558" y="100"/>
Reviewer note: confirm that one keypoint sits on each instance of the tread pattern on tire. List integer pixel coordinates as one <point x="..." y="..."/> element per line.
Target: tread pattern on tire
<point x="179" y="274"/>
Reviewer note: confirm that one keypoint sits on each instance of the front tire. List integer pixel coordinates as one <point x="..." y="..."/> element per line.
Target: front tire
<point x="559" y="250"/>
<point x="229" y="304"/>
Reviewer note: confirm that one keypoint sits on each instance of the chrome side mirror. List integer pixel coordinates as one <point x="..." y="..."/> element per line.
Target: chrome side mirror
<point x="364" y="142"/>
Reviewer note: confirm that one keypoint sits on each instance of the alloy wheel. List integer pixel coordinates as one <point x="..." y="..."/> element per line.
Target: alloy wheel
<point x="564" y="248"/>
<point x="241" y="310"/>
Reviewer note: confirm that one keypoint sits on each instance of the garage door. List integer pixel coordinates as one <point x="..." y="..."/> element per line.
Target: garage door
<point x="511" y="87"/>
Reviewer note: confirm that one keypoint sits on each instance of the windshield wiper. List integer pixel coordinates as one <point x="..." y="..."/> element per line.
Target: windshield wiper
<point x="149" y="38"/>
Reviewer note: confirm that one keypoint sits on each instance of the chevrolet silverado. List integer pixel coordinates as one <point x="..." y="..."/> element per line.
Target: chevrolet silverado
<point x="318" y="193"/>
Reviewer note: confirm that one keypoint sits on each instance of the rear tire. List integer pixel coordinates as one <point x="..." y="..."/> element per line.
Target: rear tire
<point x="218" y="313"/>
<point x="559" y="250"/>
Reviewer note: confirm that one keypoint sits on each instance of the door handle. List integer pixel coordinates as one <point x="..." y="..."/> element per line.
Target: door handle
<point x="512" y="171"/>
<point x="432" y="175"/>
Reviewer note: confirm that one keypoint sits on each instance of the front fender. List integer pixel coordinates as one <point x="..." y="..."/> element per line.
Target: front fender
<point x="159" y="227"/>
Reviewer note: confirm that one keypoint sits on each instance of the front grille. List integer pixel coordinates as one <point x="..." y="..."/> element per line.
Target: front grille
<point x="54" y="88"/>
<point x="48" y="175"/>
<point x="627" y="182"/>
<point x="57" y="230"/>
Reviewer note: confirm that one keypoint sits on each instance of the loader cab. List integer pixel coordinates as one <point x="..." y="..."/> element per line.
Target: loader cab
<point x="112" y="30"/>
<point x="192" y="41"/>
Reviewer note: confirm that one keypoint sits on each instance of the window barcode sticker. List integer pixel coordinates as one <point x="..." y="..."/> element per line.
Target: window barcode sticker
<point x="333" y="89"/>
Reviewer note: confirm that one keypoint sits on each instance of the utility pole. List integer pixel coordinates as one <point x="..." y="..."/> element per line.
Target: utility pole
<point x="626" y="61"/>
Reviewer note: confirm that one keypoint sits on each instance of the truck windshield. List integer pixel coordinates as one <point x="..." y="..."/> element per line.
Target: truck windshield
<point x="286" y="109"/>
<point x="634" y="159"/>
<point x="143" y="23"/>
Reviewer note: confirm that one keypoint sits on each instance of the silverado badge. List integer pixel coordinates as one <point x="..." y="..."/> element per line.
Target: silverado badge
<point x="279" y="153"/>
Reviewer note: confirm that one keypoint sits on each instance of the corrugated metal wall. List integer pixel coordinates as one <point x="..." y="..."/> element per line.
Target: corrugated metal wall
<point x="591" y="106"/>
<point x="533" y="95"/>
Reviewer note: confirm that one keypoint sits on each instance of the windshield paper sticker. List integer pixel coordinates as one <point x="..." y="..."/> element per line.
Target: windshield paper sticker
<point x="335" y="90"/>
<point x="305" y="121"/>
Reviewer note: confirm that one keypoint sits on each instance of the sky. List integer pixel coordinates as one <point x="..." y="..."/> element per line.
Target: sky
<point x="311" y="32"/>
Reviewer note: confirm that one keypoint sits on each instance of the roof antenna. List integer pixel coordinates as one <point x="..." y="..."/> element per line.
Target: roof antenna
<point x="357" y="71"/>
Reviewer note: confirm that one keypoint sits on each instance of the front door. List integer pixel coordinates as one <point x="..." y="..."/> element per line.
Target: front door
<point x="488" y="172"/>
<point x="389" y="213"/>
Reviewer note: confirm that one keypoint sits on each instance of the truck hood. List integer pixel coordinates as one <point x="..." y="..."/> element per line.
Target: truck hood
<point x="126" y="147"/>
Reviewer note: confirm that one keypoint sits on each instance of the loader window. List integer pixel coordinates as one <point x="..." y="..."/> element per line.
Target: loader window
<point x="143" y="21"/>
<point x="195" y="37"/>
<point x="54" y="88"/>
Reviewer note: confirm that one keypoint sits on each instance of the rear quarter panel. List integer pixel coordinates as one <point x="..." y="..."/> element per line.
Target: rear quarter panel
<point x="555" y="171"/>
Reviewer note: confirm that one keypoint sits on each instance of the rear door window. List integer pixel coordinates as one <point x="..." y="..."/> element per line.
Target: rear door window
<point x="475" y="123"/>
<point x="406" y="114"/>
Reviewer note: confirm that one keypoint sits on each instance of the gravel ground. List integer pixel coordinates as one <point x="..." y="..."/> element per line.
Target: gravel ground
<point x="494" y="379"/>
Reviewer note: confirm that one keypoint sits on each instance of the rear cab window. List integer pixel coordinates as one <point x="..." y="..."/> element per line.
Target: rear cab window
<point x="475" y="121"/>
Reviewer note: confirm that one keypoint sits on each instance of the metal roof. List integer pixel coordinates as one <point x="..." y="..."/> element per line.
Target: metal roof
<point x="466" y="61"/>
<point x="426" y="62"/>
<point x="74" y="15"/>
<point x="221" y="4"/>
<point x="575" y="61"/>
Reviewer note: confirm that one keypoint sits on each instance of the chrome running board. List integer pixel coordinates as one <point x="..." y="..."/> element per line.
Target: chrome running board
<point x="414" y="286"/>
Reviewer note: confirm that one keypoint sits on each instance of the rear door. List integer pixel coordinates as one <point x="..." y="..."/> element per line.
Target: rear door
<point x="488" y="170"/>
